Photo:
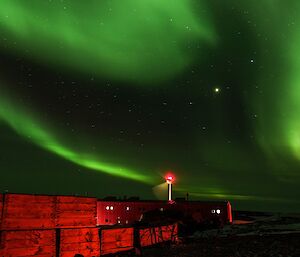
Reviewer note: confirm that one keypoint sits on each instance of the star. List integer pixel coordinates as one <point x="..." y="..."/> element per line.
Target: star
<point x="217" y="90"/>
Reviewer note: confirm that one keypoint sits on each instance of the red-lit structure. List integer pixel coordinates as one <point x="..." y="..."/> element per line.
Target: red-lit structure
<point x="63" y="226"/>
<point x="170" y="179"/>
<point x="124" y="212"/>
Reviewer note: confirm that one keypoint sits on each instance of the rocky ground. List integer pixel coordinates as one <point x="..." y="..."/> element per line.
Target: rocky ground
<point x="250" y="235"/>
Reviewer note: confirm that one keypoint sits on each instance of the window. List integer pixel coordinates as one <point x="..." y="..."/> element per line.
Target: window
<point x="111" y="208"/>
<point x="107" y="207"/>
<point x="218" y="211"/>
<point x="213" y="211"/>
<point x="127" y="208"/>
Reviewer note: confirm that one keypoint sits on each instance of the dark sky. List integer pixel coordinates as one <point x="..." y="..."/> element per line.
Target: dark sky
<point x="105" y="97"/>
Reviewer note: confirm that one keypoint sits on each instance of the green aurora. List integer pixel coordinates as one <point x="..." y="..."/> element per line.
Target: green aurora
<point x="27" y="126"/>
<point x="242" y="143"/>
<point x="109" y="38"/>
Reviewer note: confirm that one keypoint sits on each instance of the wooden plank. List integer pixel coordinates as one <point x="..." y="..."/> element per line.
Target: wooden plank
<point x="72" y="211"/>
<point x="23" y="198"/>
<point x="28" y="212"/>
<point x="92" y="247"/>
<point x="83" y="241"/>
<point x="88" y="207"/>
<point x="74" y="214"/>
<point x="44" y="212"/>
<point x="116" y="240"/>
<point x="75" y="222"/>
<point x="19" y="223"/>
<point x="29" y="251"/>
<point x="28" y="243"/>
<point x="79" y="235"/>
<point x="116" y="234"/>
<point x="76" y="199"/>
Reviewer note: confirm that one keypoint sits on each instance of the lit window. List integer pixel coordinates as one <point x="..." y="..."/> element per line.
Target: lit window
<point x="111" y="208"/>
<point x="119" y="221"/>
<point x="161" y="209"/>
<point x="218" y="211"/>
<point x="213" y="211"/>
<point x="126" y="221"/>
<point x="127" y="208"/>
<point x="107" y="207"/>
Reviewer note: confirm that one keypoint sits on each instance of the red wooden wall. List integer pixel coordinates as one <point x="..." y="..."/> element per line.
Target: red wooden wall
<point x="83" y="241"/>
<point x="28" y="212"/>
<point x="113" y="240"/>
<point x="75" y="212"/>
<point x="43" y="212"/>
<point x="48" y="226"/>
<point x="28" y="243"/>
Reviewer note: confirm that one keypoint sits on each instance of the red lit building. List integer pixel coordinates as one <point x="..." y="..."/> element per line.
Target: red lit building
<point x="111" y="212"/>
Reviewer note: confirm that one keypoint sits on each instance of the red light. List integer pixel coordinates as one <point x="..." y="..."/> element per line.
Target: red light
<point x="170" y="179"/>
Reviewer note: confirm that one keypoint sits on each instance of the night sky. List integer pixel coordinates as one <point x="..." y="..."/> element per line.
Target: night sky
<point x="104" y="97"/>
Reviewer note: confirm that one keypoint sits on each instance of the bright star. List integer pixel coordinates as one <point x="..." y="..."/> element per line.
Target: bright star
<point x="217" y="90"/>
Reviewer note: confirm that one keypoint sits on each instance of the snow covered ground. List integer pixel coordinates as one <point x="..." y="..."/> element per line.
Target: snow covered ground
<point x="267" y="235"/>
<point x="256" y="225"/>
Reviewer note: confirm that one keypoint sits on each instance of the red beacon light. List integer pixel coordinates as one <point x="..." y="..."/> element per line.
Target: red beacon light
<point x="170" y="179"/>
